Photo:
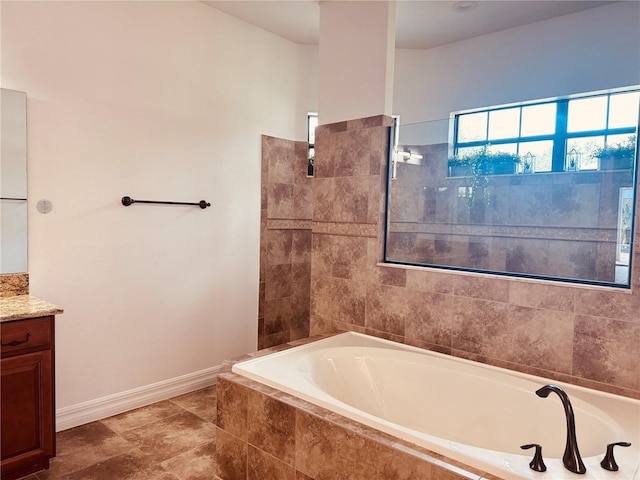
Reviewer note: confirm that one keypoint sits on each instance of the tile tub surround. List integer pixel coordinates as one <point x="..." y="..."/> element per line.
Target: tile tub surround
<point x="589" y="336"/>
<point x="12" y="284"/>
<point x="285" y="242"/>
<point x="25" y="306"/>
<point x="263" y="433"/>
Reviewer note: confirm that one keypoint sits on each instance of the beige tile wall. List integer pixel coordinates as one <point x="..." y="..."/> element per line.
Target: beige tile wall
<point x="584" y="335"/>
<point x="285" y="242"/>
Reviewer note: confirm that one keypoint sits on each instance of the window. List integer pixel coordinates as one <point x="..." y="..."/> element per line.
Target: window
<point x="312" y="124"/>
<point x="550" y="136"/>
<point x="570" y="219"/>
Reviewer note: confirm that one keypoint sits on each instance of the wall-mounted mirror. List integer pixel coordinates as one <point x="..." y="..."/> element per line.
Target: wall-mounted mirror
<point x="13" y="182"/>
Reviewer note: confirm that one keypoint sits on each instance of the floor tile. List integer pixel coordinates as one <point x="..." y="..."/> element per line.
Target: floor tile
<point x="171" y="436"/>
<point x="196" y="464"/>
<point x="169" y="440"/>
<point x="122" y="467"/>
<point x="201" y="402"/>
<point x="142" y="416"/>
<point x="82" y="446"/>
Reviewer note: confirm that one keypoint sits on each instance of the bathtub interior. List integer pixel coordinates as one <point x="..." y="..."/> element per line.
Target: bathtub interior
<point x="369" y="384"/>
<point x="456" y="405"/>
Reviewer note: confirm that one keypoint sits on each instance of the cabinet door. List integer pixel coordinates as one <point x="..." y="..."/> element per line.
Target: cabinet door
<point x="27" y="409"/>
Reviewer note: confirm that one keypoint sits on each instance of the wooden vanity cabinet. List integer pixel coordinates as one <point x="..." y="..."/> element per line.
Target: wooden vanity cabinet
<point x="27" y="396"/>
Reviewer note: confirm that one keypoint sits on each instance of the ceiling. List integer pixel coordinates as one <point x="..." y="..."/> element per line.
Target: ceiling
<point x="419" y="24"/>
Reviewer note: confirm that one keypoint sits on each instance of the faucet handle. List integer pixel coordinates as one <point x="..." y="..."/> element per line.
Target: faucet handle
<point x="537" y="463"/>
<point x="608" y="462"/>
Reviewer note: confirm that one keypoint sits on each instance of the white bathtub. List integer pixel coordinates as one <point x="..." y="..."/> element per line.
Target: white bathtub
<point x="467" y="411"/>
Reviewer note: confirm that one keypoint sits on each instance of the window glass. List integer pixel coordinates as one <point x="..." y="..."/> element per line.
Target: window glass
<point x="503" y="148"/>
<point x="581" y="150"/>
<point x="579" y="124"/>
<point x="466" y="151"/>
<point x="472" y="127"/>
<point x="587" y="114"/>
<point x="311" y="125"/>
<point x="623" y="110"/>
<point x="541" y="153"/>
<point x="504" y="123"/>
<point x="501" y="182"/>
<point x="538" y="119"/>
<point x="620" y="140"/>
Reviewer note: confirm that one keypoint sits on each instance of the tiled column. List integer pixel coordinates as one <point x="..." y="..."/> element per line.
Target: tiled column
<point x="285" y="242"/>
<point x="348" y="207"/>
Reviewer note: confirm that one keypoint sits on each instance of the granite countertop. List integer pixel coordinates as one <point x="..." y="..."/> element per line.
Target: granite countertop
<point x="20" y="307"/>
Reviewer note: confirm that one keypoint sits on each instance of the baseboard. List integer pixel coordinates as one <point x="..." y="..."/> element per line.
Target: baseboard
<point x="104" y="407"/>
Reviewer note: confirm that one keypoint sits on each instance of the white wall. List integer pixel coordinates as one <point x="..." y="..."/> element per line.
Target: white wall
<point x="355" y="60"/>
<point x="591" y="50"/>
<point x="307" y="100"/>
<point x="158" y="101"/>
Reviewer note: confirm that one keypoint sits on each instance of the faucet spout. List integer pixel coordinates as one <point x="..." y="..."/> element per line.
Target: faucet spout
<point x="571" y="458"/>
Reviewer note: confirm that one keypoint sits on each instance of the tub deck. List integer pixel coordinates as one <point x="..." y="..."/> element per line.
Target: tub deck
<point x="249" y="381"/>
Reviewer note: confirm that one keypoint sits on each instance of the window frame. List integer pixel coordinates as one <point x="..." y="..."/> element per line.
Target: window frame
<point x="561" y="135"/>
<point x="311" y="148"/>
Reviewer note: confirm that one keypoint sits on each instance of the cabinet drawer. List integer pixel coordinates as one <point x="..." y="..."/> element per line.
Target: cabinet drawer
<point x="29" y="334"/>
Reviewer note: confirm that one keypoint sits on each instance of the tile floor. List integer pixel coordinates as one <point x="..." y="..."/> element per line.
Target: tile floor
<point x="170" y="440"/>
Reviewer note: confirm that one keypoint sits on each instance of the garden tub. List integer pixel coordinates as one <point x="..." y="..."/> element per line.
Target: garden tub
<point x="467" y="411"/>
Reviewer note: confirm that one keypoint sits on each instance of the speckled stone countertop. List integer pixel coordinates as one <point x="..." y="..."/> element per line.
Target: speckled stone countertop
<point x="25" y="306"/>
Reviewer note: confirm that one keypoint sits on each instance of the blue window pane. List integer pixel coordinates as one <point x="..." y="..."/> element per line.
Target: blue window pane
<point x="623" y="110"/>
<point x="538" y="120"/>
<point x="587" y="114"/>
<point x="472" y="127"/>
<point x="504" y="123"/>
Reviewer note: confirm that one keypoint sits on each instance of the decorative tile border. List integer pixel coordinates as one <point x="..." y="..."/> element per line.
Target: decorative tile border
<point x="287" y="224"/>
<point x="345" y="229"/>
